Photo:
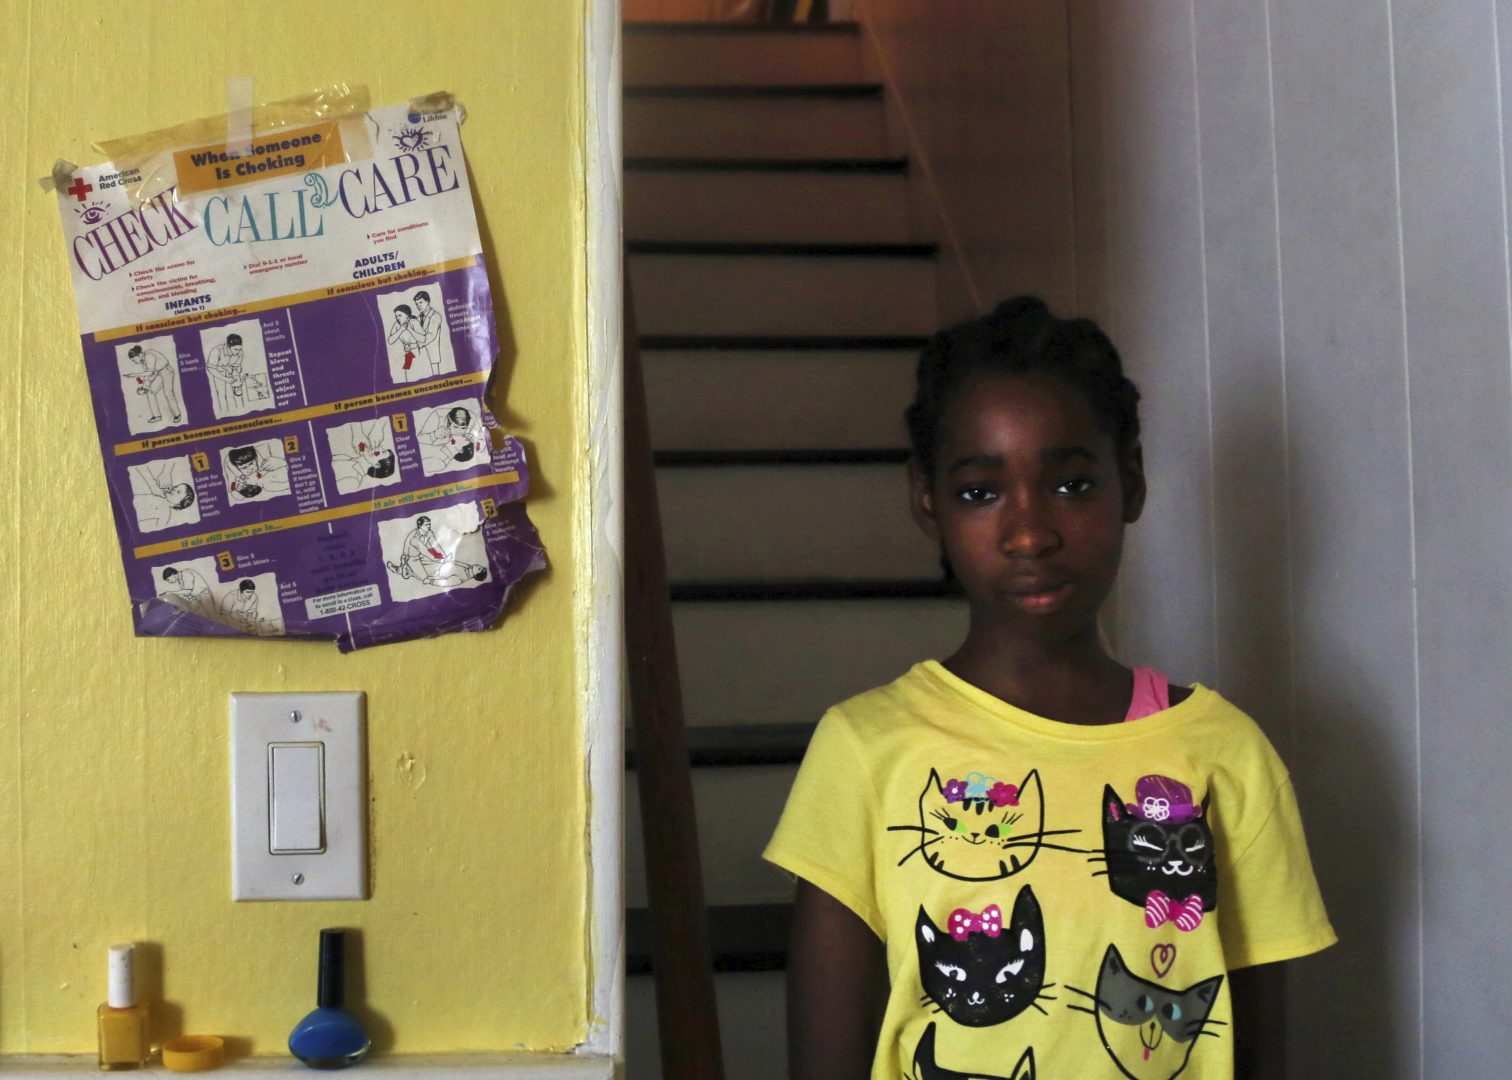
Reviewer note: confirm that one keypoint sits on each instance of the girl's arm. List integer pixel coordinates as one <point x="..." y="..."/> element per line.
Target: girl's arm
<point x="1259" y="1024"/>
<point x="837" y="986"/>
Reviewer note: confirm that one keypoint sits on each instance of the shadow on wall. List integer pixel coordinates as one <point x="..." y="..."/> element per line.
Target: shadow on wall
<point x="1341" y="1003"/>
<point x="496" y="393"/>
<point x="1344" y="1005"/>
<point x="375" y="1023"/>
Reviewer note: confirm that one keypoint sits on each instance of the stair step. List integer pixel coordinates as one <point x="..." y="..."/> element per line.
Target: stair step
<point x="742" y="937"/>
<point x="672" y="27"/>
<point x="868" y="91"/>
<point x="698" y="459"/>
<point x="826" y="522"/>
<point x="883" y="165"/>
<point x="705" y="29"/>
<point x="737" y="809"/>
<point x="734" y="399"/>
<point x="721" y="53"/>
<point x="745" y="122"/>
<point x="821" y="291"/>
<point x="820" y="204"/>
<point x="713" y="592"/>
<point x="809" y="249"/>
<point x="785" y="663"/>
<point x="738" y="745"/>
<point x="752" y="1026"/>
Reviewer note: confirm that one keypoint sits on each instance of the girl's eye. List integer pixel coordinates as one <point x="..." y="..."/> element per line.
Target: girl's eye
<point x="1079" y="486"/>
<point x="975" y="493"/>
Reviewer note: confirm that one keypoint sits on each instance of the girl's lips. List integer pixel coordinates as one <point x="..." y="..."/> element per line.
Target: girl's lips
<point x="1039" y="598"/>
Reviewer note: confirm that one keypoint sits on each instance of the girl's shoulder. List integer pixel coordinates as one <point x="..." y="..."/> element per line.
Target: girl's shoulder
<point x="887" y="719"/>
<point x="917" y="690"/>
<point x="1233" y="742"/>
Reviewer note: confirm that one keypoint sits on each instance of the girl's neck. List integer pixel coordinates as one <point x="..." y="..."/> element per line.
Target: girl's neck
<point x="1073" y="681"/>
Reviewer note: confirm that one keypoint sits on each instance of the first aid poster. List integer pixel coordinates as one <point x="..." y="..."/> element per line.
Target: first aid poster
<point x="288" y="340"/>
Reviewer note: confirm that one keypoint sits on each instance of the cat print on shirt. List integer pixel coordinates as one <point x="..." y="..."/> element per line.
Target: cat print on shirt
<point x="1148" y="1030"/>
<point x="978" y="970"/>
<point x="980" y="828"/>
<point x="1158" y="852"/>
<point x="926" y="1068"/>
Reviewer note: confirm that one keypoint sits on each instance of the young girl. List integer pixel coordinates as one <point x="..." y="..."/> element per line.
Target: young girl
<point x="1028" y="857"/>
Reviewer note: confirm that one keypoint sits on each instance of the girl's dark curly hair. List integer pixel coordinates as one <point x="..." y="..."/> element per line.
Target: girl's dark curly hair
<point x="1022" y="337"/>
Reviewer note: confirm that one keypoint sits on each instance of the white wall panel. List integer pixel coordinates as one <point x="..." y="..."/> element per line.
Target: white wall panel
<point x="1454" y="236"/>
<point x="1250" y="516"/>
<point x="1348" y="300"/>
<point x="1156" y="316"/>
<point x="1354" y="1011"/>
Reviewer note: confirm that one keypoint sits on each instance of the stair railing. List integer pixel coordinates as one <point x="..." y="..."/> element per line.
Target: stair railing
<point x="681" y="961"/>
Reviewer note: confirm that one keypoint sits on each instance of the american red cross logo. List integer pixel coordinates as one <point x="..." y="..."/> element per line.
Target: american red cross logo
<point x="78" y="189"/>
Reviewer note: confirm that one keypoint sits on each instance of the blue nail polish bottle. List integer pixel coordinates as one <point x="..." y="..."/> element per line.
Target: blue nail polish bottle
<point x="330" y="1037"/>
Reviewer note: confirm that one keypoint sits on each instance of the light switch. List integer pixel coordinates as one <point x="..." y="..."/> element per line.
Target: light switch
<point x="298" y="797"/>
<point x="296" y="777"/>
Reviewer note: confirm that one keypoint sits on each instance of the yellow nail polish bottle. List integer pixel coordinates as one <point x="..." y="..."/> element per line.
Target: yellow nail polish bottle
<point x="125" y="1034"/>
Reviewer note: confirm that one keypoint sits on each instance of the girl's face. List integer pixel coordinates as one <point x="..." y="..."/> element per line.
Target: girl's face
<point x="1029" y="499"/>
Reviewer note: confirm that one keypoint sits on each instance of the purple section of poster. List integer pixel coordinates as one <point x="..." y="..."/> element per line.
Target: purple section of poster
<point x="327" y="469"/>
<point x="348" y="561"/>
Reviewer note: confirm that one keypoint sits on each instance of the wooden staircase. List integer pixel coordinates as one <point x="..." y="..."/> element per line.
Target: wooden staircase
<point x="782" y="290"/>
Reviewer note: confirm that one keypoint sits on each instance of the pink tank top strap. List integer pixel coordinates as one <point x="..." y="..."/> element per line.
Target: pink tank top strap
<point x="1152" y="694"/>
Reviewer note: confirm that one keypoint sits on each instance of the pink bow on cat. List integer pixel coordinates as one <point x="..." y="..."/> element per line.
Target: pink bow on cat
<point x="1160" y="909"/>
<point x="990" y="922"/>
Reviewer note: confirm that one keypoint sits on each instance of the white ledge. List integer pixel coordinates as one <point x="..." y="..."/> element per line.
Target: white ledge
<point x="419" y="1066"/>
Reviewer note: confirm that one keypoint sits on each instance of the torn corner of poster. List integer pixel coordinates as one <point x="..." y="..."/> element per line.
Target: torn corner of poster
<point x="288" y="348"/>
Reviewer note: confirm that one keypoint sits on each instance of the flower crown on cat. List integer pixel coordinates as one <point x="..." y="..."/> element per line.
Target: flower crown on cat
<point x="979" y="786"/>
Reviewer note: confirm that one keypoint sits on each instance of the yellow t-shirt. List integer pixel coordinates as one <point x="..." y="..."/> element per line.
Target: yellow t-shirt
<point x="1048" y="891"/>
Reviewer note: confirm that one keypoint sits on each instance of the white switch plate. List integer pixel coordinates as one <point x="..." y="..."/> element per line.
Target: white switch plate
<point x="338" y="722"/>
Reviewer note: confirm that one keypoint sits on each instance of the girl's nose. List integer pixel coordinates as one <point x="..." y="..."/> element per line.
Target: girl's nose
<point x="1026" y="533"/>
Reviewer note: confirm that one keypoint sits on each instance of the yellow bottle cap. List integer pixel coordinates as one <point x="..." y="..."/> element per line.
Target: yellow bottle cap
<point x="193" y="1053"/>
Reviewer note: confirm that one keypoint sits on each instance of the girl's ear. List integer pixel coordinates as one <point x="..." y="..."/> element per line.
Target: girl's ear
<point x="921" y="501"/>
<point x="1132" y="479"/>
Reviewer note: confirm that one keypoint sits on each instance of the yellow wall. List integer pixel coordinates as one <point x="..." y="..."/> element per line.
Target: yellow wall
<point x="114" y="815"/>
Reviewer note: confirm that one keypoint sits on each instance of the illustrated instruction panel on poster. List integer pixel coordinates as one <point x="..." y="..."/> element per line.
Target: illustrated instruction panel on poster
<point x="288" y="335"/>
